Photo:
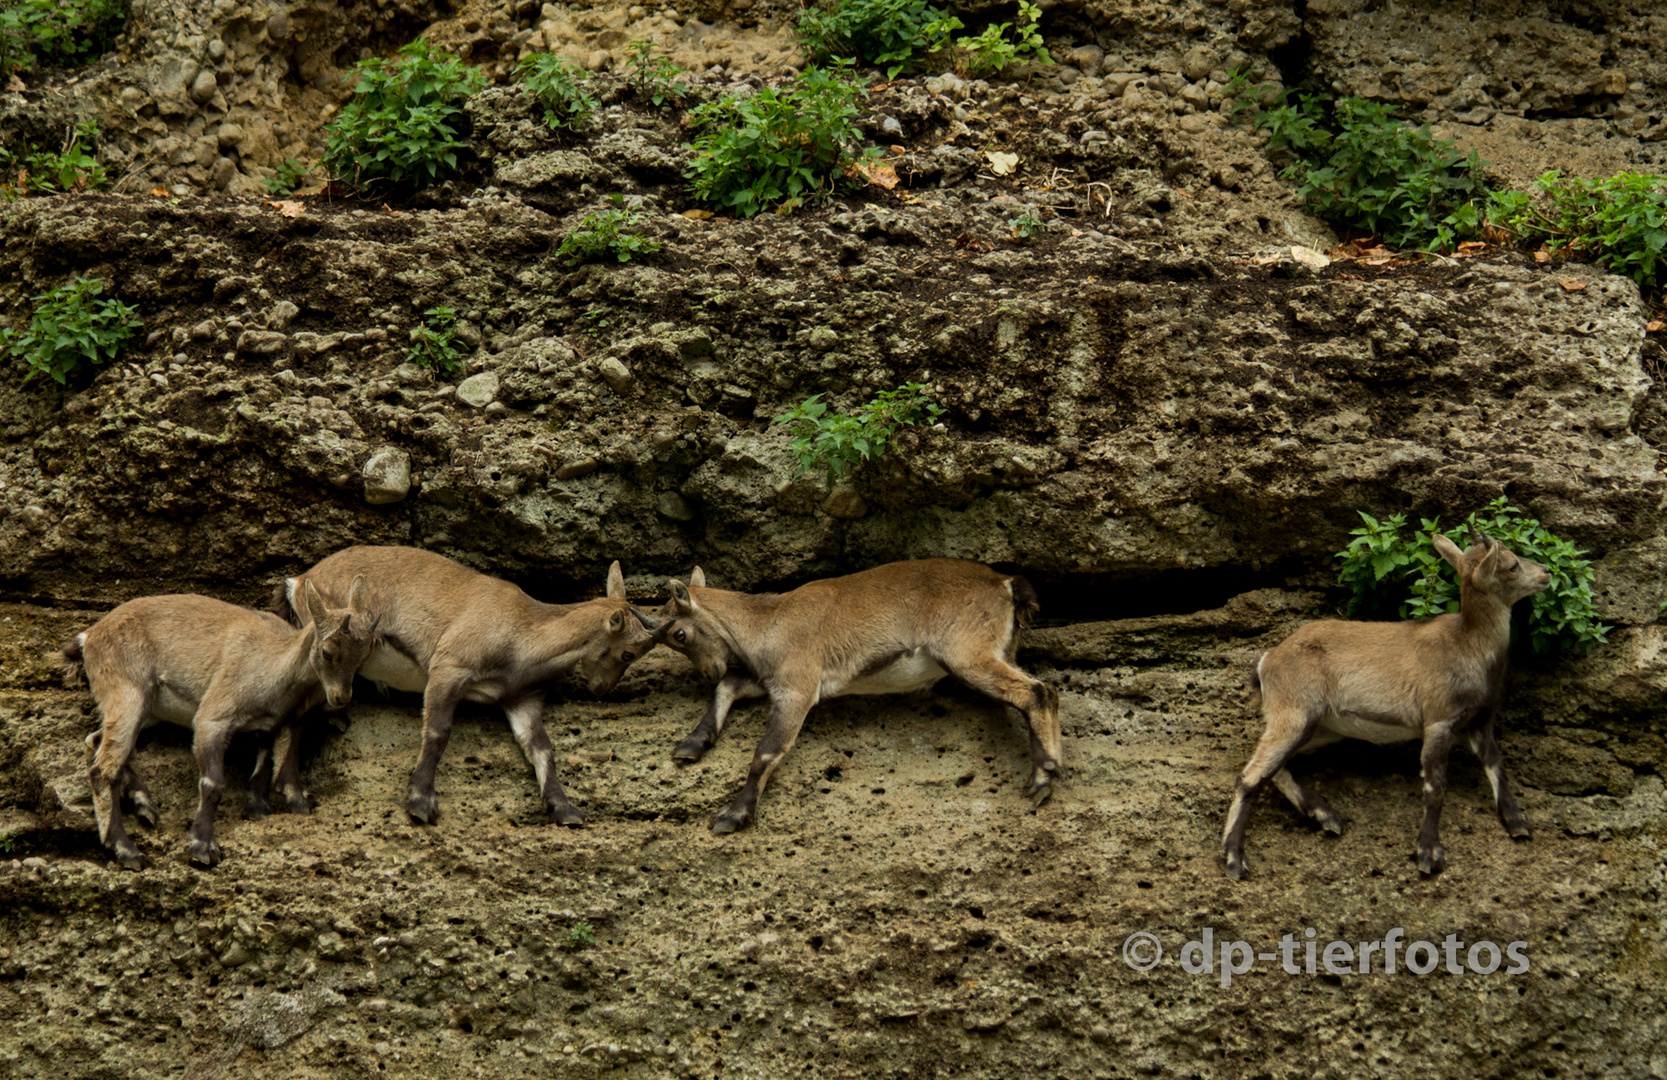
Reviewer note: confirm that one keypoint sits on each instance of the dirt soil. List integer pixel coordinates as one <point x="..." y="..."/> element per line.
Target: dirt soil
<point x="1161" y="408"/>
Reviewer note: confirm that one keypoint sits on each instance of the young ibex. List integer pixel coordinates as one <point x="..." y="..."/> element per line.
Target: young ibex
<point x="1430" y="679"/>
<point x="217" y="667"/>
<point x="889" y="630"/>
<point x="453" y="634"/>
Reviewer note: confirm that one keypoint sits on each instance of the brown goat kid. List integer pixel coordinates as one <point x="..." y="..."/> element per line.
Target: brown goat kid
<point x="889" y="630"/>
<point x="217" y="667"/>
<point x="453" y="634"/>
<point x="1431" y="679"/>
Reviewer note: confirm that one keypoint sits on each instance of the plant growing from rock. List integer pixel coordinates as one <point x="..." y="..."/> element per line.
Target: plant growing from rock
<point x="890" y="34"/>
<point x="434" y="343"/>
<point x="993" y="50"/>
<point x="604" y="234"/>
<point x="558" y="85"/>
<point x="404" y="125"/>
<point x="842" y="441"/>
<point x="56" y="31"/>
<point x="1619" y="221"/>
<point x="291" y="175"/>
<point x="581" y="935"/>
<point x="1384" y="572"/>
<point x="775" y="148"/>
<point x="73" y="168"/>
<point x="72" y="328"/>
<point x="652" y="76"/>
<point x="1026" y="227"/>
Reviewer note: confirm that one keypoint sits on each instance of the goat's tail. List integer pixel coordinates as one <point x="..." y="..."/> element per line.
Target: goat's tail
<point x="1255" y="684"/>
<point x="281" y="605"/>
<point x="74" y="665"/>
<point x="1025" y="604"/>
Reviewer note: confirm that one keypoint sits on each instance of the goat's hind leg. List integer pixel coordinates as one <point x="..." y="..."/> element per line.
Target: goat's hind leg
<point x="1482" y="741"/>
<point x="1308" y="801"/>
<point x="125" y="710"/>
<point x="1287" y="732"/>
<point x="134" y="790"/>
<point x="1040" y="704"/>
<point x="526" y="720"/>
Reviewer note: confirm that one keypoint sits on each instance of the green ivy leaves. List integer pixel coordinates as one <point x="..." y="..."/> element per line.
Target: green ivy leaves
<point x="842" y="441"/>
<point x="72" y="328"/>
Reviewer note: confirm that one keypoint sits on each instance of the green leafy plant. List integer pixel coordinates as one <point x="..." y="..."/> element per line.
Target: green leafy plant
<point x="8" y="843"/>
<point x="777" y="148"/>
<point x="891" y="34"/>
<point x="1357" y="165"/>
<point x="596" y="320"/>
<point x="1384" y="571"/>
<point x="993" y="50"/>
<point x="56" y="31"/>
<point x="651" y="75"/>
<point x="291" y="175"/>
<point x="558" y="84"/>
<point x="73" y="168"/>
<point x="581" y="935"/>
<point x="434" y="343"/>
<point x="404" y="125"/>
<point x="1026" y="227"/>
<point x="71" y="328"/>
<point x="842" y="441"/>
<point x="1620" y="221"/>
<point x="603" y="234"/>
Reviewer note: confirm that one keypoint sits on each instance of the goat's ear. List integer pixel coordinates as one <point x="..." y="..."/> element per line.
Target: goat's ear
<point x="680" y="596"/>
<point x="357" y="596"/>
<point x="616" y="621"/>
<point x="616" y="581"/>
<point x="1448" y="550"/>
<point x="314" y="602"/>
<point x="697" y="580"/>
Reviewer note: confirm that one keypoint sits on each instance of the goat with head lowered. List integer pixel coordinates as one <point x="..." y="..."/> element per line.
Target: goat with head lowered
<point x="1429" y="679"/>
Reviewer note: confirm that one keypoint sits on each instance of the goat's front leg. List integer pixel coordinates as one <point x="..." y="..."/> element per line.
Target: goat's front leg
<point x="787" y="717"/>
<point x="445" y="689"/>
<point x="213" y="732"/>
<point x="1438" y="740"/>
<point x="1482" y="741"/>
<point x="526" y="719"/>
<point x="730" y="689"/>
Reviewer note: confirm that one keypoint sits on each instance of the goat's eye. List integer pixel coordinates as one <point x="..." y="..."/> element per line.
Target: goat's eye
<point x="627" y="656"/>
<point x="682" y="637"/>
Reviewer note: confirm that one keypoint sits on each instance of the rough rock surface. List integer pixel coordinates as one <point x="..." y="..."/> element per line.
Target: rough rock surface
<point x="1154" y="409"/>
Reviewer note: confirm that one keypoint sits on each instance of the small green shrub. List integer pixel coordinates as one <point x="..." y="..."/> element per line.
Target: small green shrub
<point x="1026" y="227"/>
<point x="47" y="32"/>
<point x="434" y="343"/>
<point x="596" y="321"/>
<point x="603" y="234"/>
<point x="652" y="76"/>
<point x="581" y="935"/>
<point x="1620" y="221"/>
<point x="992" y="51"/>
<point x="777" y="148"/>
<point x="890" y="34"/>
<point x="8" y="843"/>
<point x="1383" y="572"/>
<point x="558" y="84"/>
<point x="1358" y="166"/>
<point x="72" y="169"/>
<point x="405" y="121"/>
<point x="72" y="328"/>
<point x="843" y="441"/>
<point x="291" y="175"/>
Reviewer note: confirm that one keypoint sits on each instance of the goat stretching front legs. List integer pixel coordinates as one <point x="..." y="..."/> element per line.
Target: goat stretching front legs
<point x="731" y="688"/>
<point x="526" y="720"/>
<point x="787" y="718"/>
<point x="1482" y="741"/>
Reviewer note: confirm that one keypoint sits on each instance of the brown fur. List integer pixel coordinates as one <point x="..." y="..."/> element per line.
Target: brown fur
<point x="892" y="628"/>
<point x="1430" y="679"/>
<point x="457" y="634"/>
<point x="222" y="669"/>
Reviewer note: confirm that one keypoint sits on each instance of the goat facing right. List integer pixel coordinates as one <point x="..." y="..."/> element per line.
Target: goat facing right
<point x="1430" y="679"/>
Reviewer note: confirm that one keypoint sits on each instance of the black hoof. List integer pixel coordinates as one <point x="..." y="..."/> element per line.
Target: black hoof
<point x="1332" y="825"/>
<point x="204" y="852"/>
<point x="1433" y="861"/>
<point x="129" y="858"/>
<point x="567" y="814"/>
<point x="690" y="750"/>
<point x="298" y="804"/>
<point x="255" y="810"/>
<point x="1236" y="868"/>
<point x="1519" y="830"/>
<point x="728" y="821"/>
<point x="147" y="815"/>
<point x="424" y="809"/>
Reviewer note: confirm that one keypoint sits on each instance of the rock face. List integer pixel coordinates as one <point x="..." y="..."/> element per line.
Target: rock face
<point x="1153" y="409"/>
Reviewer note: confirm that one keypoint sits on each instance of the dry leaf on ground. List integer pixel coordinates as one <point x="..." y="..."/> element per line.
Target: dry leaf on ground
<point x="1001" y="162"/>
<point x="289" y="207"/>
<point x="1571" y="284"/>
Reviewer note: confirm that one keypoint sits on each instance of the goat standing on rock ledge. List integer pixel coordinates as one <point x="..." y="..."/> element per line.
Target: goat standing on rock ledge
<point x="890" y="630"/>
<point x="1432" y="679"/>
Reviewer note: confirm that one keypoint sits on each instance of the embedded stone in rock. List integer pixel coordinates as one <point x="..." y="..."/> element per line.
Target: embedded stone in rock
<point x="387" y="477"/>
<point x="675" y="506"/>
<point x="203" y="87"/>
<point x="278" y="316"/>
<point x="261" y="342"/>
<point x="844" y="502"/>
<point x="582" y="467"/>
<point x="479" y="390"/>
<point x="822" y="339"/>
<point x="619" y="376"/>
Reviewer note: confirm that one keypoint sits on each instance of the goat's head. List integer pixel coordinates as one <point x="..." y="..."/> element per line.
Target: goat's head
<point x="690" y="629"/>
<point x="623" y="637"/>
<point x="342" y="640"/>
<point x="1490" y="567"/>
